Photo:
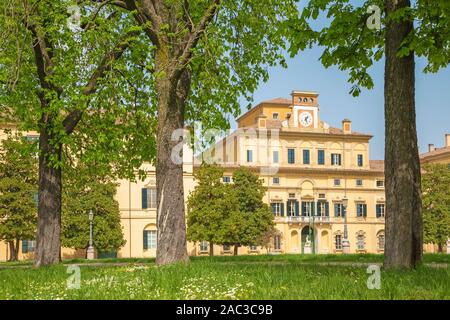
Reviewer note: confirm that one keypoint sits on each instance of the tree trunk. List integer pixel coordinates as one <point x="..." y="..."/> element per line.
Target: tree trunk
<point x="211" y="249"/>
<point x="402" y="167"/>
<point x="440" y="248"/>
<point x="171" y="221"/>
<point x="48" y="243"/>
<point x="14" y="251"/>
<point x="236" y="250"/>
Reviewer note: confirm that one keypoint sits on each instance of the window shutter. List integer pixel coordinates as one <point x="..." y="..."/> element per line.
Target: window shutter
<point x="282" y="209"/>
<point x="145" y="240"/>
<point x="288" y="211"/>
<point x="344" y="211"/>
<point x="327" y="209"/>
<point x="378" y="211"/>
<point x="321" y="157"/>
<point x="365" y="210"/>
<point x="144" y="198"/>
<point x="303" y="208"/>
<point x="306" y="157"/>
<point x="272" y="206"/>
<point x="313" y="208"/>
<point x="24" y="246"/>
<point x="336" y="210"/>
<point x="296" y="209"/>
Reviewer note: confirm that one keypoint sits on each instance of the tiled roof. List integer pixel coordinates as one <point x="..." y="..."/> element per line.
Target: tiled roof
<point x="377" y="165"/>
<point x="334" y="130"/>
<point x="435" y="152"/>
<point x="279" y="101"/>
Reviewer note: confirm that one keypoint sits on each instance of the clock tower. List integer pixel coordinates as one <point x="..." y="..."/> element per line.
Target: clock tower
<point x="305" y="109"/>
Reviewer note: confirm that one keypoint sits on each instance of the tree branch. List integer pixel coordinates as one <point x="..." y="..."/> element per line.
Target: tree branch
<point x="91" y="86"/>
<point x="147" y="13"/>
<point x="195" y="36"/>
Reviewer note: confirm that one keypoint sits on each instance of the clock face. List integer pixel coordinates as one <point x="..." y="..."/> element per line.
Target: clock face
<point x="306" y="119"/>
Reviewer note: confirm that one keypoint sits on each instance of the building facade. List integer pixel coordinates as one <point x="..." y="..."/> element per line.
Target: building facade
<point x="319" y="178"/>
<point x="322" y="186"/>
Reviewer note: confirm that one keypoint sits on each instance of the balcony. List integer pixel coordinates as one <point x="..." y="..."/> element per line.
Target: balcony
<point x="308" y="219"/>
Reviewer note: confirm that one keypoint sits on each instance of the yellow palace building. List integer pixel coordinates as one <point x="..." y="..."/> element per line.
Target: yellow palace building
<point x="326" y="195"/>
<point x="319" y="178"/>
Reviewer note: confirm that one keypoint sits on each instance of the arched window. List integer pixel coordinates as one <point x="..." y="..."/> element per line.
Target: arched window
<point x="150" y="239"/>
<point x="381" y="240"/>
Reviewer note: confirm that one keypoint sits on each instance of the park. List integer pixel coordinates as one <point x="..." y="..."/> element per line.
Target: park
<point x="224" y="150"/>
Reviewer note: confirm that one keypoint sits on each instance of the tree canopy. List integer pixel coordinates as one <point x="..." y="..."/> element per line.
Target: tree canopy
<point x="436" y="204"/>
<point x="18" y="191"/>
<point x="228" y="213"/>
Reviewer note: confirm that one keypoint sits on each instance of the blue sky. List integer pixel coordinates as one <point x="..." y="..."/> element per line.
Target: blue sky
<point x="305" y="72"/>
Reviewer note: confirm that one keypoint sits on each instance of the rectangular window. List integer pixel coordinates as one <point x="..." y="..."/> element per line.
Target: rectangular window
<point x="339" y="210"/>
<point x="338" y="242"/>
<point x="28" y="246"/>
<point x="380" y="183"/>
<point x="204" y="246"/>
<point x="291" y="208"/>
<point x="306" y="157"/>
<point x="361" y="210"/>
<point x="226" y="248"/>
<point x="321" y="157"/>
<point x="249" y="156"/>
<point x="226" y="179"/>
<point x="253" y="248"/>
<point x="336" y="159"/>
<point x="275" y="116"/>
<point x="276" y="180"/>
<point x="150" y="239"/>
<point x="291" y="156"/>
<point x="360" y="160"/>
<point x="337" y="182"/>
<point x="322" y="209"/>
<point x="149" y="198"/>
<point x="307" y="208"/>
<point x="380" y="210"/>
<point x="359" y="182"/>
<point x="276" y="158"/>
<point x="276" y="208"/>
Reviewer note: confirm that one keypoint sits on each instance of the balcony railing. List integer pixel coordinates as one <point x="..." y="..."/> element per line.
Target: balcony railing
<point x="308" y="219"/>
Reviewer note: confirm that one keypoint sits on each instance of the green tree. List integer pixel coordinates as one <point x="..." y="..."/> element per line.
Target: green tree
<point x="207" y="206"/>
<point x="249" y="217"/>
<point x="18" y="181"/>
<point x="436" y="204"/>
<point x="206" y="56"/>
<point x="56" y="75"/>
<point x="353" y="40"/>
<point x="97" y="196"/>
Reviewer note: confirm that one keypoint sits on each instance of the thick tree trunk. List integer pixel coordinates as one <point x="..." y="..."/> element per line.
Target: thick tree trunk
<point x="236" y="250"/>
<point x="13" y="251"/>
<point x="171" y="221"/>
<point x="440" y="248"/>
<point x="402" y="167"/>
<point x="48" y="243"/>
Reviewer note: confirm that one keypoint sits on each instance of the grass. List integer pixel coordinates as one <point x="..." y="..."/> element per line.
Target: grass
<point x="242" y="277"/>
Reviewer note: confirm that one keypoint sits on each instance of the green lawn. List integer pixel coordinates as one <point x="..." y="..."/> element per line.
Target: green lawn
<point x="242" y="277"/>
